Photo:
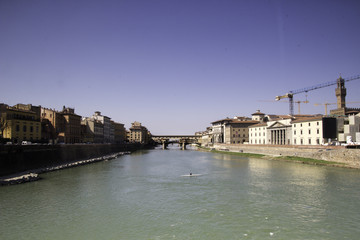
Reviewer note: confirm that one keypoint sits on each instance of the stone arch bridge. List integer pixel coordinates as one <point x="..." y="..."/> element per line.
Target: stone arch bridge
<point x="182" y="140"/>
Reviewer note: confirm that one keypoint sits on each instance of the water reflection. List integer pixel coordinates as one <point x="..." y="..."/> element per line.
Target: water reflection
<point x="144" y="196"/>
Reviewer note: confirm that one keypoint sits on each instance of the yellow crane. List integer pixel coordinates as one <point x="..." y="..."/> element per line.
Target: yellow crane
<point x="298" y="102"/>
<point x="325" y="104"/>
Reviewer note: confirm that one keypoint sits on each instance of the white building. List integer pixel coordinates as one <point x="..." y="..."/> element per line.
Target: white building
<point x="258" y="133"/>
<point x="218" y="130"/>
<point x="273" y="129"/>
<point x="308" y="131"/>
<point x="314" y="131"/>
<point x="279" y="131"/>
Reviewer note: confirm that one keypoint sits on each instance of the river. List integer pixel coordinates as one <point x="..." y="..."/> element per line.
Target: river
<point x="145" y="196"/>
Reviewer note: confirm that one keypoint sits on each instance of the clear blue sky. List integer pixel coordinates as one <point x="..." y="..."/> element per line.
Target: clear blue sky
<point x="176" y="65"/>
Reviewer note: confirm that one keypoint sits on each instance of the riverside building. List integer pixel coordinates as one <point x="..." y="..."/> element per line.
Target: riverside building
<point x="65" y="126"/>
<point x="138" y="133"/>
<point x="107" y="126"/>
<point x="20" y="123"/>
<point x="232" y="131"/>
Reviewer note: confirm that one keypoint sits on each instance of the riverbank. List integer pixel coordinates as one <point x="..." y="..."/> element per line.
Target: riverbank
<point x="16" y="159"/>
<point x="316" y="155"/>
<point x="34" y="175"/>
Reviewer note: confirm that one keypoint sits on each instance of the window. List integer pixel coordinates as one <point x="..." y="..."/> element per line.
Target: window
<point x="301" y="132"/>
<point x="318" y="123"/>
<point x="31" y="129"/>
<point x="309" y="131"/>
<point x="317" y="141"/>
<point x="17" y="128"/>
<point x="317" y="131"/>
<point x="310" y="141"/>
<point x="309" y="124"/>
<point x="301" y="141"/>
<point x="295" y="132"/>
<point x="24" y="128"/>
<point x="294" y="141"/>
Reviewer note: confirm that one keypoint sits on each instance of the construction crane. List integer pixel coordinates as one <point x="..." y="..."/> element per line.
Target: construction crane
<point x="298" y="102"/>
<point x="327" y="104"/>
<point x="291" y="94"/>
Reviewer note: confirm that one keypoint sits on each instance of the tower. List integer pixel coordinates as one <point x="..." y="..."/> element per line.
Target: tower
<point x="340" y="92"/>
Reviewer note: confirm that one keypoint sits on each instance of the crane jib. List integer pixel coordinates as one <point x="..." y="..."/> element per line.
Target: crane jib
<point x="322" y="85"/>
<point x="307" y="89"/>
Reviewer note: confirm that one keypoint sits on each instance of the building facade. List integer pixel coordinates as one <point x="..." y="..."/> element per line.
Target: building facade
<point x="119" y="132"/>
<point x="107" y="126"/>
<point x="64" y="126"/>
<point x="72" y="126"/>
<point x="92" y="131"/>
<point x="138" y="133"/>
<point x="20" y="123"/>
<point x="258" y="133"/>
<point x="231" y="131"/>
<point x="308" y="131"/>
<point x="279" y="131"/>
<point x="237" y="131"/>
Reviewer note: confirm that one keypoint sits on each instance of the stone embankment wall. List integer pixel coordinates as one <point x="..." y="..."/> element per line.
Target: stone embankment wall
<point x="20" y="158"/>
<point x="351" y="157"/>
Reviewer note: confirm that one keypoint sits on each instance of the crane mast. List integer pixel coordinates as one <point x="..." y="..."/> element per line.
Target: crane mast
<point x="290" y="94"/>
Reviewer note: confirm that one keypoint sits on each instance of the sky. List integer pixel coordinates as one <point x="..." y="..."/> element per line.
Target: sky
<point x="177" y="65"/>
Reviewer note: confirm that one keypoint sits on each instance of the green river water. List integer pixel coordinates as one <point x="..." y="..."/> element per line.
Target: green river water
<point x="145" y="196"/>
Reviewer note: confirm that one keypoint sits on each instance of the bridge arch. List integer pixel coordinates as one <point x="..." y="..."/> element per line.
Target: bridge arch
<point x="183" y="140"/>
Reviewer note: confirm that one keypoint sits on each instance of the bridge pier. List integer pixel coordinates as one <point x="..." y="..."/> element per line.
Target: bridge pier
<point x="183" y="146"/>
<point x="164" y="145"/>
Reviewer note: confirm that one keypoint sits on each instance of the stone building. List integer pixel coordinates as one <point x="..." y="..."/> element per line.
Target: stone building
<point x="72" y="126"/>
<point x="53" y="124"/>
<point x="218" y="130"/>
<point x="231" y="131"/>
<point x="258" y="116"/>
<point x="340" y="93"/>
<point x="92" y="131"/>
<point x="237" y="132"/>
<point x="108" y="128"/>
<point x="20" y="123"/>
<point x="65" y="126"/>
<point x="206" y="137"/>
<point x="119" y="132"/>
<point x="138" y="133"/>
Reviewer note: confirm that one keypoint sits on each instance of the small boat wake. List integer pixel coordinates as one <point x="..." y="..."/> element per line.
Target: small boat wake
<point x="192" y="175"/>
